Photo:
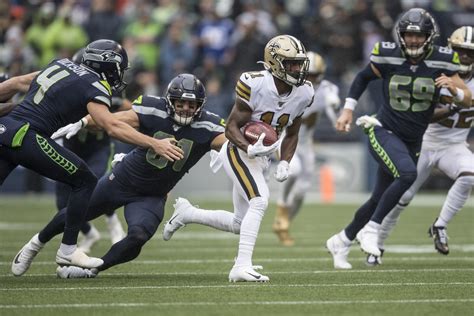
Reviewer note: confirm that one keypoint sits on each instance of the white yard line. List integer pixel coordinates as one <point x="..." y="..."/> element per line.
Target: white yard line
<point x="180" y="304"/>
<point x="122" y="288"/>
<point x="269" y="272"/>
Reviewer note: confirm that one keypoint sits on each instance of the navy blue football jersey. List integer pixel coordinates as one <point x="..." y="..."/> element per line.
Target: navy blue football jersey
<point x="150" y="174"/>
<point x="409" y="90"/>
<point x="59" y="95"/>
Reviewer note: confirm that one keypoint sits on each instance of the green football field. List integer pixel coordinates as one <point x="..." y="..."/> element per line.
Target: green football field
<point x="188" y="274"/>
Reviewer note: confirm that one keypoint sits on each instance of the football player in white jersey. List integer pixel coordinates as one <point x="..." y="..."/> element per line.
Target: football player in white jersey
<point x="293" y="191"/>
<point x="444" y="146"/>
<point x="278" y="96"/>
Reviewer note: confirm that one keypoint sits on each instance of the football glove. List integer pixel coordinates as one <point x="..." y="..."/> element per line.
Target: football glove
<point x="70" y="130"/>
<point x="117" y="158"/>
<point x="260" y="150"/>
<point x="367" y="122"/>
<point x="282" y="171"/>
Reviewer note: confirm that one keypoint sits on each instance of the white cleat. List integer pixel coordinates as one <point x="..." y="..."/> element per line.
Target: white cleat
<point x="89" y="240"/>
<point x="246" y="274"/>
<point x="115" y="229"/>
<point x="339" y="252"/>
<point x="368" y="240"/>
<point x="23" y="259"/>
<point x="181" y="207"/>
<point x="73" y="272"/>
<point x="77" y="258"/>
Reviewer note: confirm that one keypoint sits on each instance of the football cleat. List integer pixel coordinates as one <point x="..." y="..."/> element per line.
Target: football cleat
<point x="77" y="258"/>
<point x="23" y="259"/>
<point x="246" y="274"/>
<point x="367" y="237"/>
<point x="73" y="272"/>
<point x="89" y="240"/>
<point x="115" y="229"/>
<point x="440" y="238"/>
<point x="373" y="261"/>
<point x="339" y="252"/>
<point x="181" y="207"/>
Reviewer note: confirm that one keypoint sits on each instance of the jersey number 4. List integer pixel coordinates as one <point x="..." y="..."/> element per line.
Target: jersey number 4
<point x="45" y="80"/>
<point x="422" y="91"/>
<point x="160" y="162"/>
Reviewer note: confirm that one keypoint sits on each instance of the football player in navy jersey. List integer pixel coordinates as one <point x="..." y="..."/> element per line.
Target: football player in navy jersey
<point x="63" y="93"/>
<point x="413" y="73"/>
<point x="95" y="148"/>
<point x="143" y="179"/>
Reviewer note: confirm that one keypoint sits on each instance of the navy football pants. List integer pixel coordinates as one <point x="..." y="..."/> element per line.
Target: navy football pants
<point x="46" y="157"/>
<point x="396" y="173"/>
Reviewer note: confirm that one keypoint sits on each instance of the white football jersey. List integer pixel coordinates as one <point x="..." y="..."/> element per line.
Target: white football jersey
<point x="453" y="130"/>
<point x="326" y="99"/>
<point x="257" y="89"/>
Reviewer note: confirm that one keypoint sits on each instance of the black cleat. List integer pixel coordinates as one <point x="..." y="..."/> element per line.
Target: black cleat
<point x="440" y="238"/>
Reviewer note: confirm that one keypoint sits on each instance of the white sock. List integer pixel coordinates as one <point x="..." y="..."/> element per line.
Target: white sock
<point x="457" y="197"/>
<point x="373" y="225"/>
<point x="344" y="238"/>
<point x="36" y="242"/>
<point x="388" y="224"/>
<point x="248" y="236"/>
<point x="222" y="220"/>
<point x="111" y="219"/>
<point x="67" y="249"/>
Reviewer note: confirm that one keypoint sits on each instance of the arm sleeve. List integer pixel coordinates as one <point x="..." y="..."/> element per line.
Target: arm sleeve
<point x="361" y="81"/>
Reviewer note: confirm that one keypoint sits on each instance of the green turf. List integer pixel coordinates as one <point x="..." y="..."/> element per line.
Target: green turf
<point x="188" y="275"/>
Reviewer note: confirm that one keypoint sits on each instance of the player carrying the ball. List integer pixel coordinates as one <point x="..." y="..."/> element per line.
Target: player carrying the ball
<point x="277" y="96"/>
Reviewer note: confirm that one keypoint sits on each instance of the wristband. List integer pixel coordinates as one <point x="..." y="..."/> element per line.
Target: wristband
<point x="459" y="95"/>
<point x="350" y="104"/>
<point x="84" y="122"/>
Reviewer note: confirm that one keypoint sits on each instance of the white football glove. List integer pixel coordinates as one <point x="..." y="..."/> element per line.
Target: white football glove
<point x="117" y="158"/>
<point x="70" y="130"/>
<point x="282" y="171"/>
<point x="260" y="150"/>
<point x="367" y="121"/>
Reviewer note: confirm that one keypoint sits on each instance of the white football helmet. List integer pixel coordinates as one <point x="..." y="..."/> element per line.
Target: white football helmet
<point x="282" y="49"/>
<point x="463" y="39"/>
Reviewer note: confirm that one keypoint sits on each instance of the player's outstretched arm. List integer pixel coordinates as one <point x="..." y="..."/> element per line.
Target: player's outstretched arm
<point x="461" y="93"/>
<point x="16" y="84"/>
<point x="218" y="141"/>
<point x="358" y="86"/>
<point x="126" y="133"/>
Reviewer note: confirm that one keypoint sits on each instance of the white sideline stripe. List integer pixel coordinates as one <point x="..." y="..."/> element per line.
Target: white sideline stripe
<point x="271" y="260"/>
<point x="157" y="287"/>
<point x="108" y="305"/>
<point x="269" y="272"/>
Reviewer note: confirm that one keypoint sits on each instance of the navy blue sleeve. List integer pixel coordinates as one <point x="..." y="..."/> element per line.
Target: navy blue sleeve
<point x="361" y="81"/>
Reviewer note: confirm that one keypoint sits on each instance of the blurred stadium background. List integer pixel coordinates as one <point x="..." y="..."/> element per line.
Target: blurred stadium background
<point x="217" y="40"/>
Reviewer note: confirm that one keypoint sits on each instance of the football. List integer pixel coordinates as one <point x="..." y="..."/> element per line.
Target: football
<point x="252" y="131"/>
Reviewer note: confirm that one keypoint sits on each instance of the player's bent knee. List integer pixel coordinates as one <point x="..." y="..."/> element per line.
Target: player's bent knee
<point x="259" y="203"/>
<point x="408" y="178"/>
<point x="236" y="226"/>
<point x="138" y="235"/>
<point x="466" y="181"/>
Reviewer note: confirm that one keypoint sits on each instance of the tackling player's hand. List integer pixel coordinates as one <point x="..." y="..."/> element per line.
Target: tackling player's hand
<point x="69" y="130"/>
<point x="167" y="149"/>
<point x="343" y="123"/>
<point x="444" y="81"/>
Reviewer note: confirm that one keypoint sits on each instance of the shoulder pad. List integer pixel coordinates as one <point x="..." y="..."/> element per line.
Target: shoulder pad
<point x="211" y="117"/>
<point x="443" y="57"/>
<point x="247" y="81"/>
<point x="385" y="49"/>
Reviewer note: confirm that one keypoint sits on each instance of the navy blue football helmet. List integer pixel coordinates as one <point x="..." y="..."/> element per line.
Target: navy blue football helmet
<point x="417" y="20"/>
<point x="109" y="59"/>
<point x="185" y="87"/>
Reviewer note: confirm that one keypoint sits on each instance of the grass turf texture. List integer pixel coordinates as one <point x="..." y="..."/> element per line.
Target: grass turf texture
<point x="188" y="274"/>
